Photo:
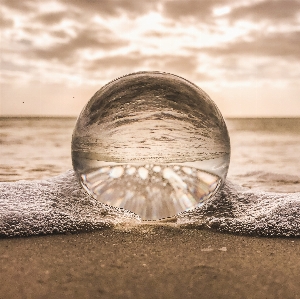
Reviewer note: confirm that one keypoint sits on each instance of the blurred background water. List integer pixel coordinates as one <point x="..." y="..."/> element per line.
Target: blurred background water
<point x="264" y="152"/>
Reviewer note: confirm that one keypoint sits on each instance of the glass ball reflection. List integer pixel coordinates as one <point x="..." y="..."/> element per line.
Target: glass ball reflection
<point x="152" y="143"/>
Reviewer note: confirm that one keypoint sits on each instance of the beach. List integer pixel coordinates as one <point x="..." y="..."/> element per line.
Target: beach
<point x="150" y="149"/>
<point x="149" y="261"/>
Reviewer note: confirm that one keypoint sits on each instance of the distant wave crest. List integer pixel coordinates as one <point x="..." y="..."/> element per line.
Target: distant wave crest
<point x="60" y="205"/>
<point x="273" y="177"/>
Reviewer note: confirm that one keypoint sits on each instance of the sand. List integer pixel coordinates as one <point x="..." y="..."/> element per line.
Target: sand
<point x="122" y="257"/>
<point x="149" y="261"/>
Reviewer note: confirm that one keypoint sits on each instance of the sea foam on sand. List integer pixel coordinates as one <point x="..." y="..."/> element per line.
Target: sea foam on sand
<point x="60" y="205"/>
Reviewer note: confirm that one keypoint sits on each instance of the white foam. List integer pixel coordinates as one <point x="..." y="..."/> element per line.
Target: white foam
<point x="60" y="205"/>
<point x="56" y="205"/>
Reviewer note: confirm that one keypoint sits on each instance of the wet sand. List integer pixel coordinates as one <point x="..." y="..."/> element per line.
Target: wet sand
<point x="149" y="261"/>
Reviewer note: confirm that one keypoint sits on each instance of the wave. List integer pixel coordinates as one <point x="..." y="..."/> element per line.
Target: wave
<point x="274" y="177"/>
<point x="60" y="205"/>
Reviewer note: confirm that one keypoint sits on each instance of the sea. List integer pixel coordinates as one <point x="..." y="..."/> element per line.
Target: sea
<point x="264" y="171"/>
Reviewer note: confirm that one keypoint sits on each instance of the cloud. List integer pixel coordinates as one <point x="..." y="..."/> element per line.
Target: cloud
<point x="6" y="22"/>
<point x="114" y="8"/>
<point x="210" y="42"/>
<point x="185" y="66"/>
<point x="53" y="18"/>
<point x="201" y="10"/>
<point x="273" y="10"/>
<point x="100" y="40"/>
<point x="60" y="34"/>
<point x="280" y="45"/>
<point x="21" y="6"/>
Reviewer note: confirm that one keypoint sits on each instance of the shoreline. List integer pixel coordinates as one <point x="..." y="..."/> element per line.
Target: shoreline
<point x="61" y="205"/>
<point x="149" y="261"/>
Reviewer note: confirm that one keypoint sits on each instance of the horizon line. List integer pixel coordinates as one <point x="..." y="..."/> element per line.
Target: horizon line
<point x="74" y="117"/>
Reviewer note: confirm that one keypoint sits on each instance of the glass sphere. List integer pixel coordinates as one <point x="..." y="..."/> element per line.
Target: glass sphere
<point x="152" y="143"/>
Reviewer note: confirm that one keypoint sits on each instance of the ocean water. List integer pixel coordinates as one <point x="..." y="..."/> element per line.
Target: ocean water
<point x="39" y="193"/>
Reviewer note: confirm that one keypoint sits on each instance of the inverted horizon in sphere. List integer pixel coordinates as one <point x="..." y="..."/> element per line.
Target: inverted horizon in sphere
<point x="147" y="121"/>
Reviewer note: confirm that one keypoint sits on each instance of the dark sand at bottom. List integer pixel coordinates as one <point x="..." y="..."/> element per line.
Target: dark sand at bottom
<point x="149" y="261"/>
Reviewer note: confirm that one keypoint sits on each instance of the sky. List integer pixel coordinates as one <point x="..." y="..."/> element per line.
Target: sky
<point x="56" y="54"/>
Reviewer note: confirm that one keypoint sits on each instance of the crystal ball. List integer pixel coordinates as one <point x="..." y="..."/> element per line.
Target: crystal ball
<point x="152" y="143"/>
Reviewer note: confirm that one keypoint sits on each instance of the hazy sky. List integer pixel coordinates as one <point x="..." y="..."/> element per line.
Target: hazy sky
<point x="56" y="54"/>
